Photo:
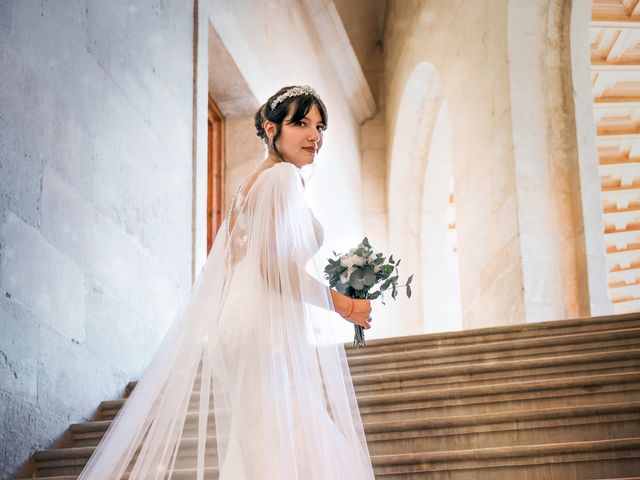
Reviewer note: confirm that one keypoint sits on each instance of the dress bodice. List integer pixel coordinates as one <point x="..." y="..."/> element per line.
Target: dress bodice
<point x="238" y="226"/>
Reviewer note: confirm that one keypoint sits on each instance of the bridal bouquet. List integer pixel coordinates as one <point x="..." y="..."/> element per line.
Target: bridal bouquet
<point x="356" y="273"/>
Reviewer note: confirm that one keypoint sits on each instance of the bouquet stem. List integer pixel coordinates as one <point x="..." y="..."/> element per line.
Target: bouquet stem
<point x="358" y="339"/>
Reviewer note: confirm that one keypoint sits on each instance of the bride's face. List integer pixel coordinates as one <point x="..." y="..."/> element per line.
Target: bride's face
<point x="299" y="142"/>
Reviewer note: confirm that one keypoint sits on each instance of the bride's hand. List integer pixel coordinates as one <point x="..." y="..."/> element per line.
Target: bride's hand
<point x="361" y="314"/>
<point x="358" y="312"/>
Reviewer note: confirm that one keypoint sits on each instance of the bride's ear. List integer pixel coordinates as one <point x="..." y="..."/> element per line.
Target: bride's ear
<point x="269" y="128"/>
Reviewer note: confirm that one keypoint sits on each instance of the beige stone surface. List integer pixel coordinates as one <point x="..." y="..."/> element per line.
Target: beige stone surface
<point x="522" y="178"/>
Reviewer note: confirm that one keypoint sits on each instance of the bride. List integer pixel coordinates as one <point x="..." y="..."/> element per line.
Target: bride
<point x="250" y="381"/>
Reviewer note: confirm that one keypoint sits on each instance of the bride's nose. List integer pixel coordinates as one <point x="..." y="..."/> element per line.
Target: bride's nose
<point x="314" y="136"/>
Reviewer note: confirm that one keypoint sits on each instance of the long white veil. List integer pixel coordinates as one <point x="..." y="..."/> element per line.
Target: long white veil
<point x="250" y="381"/>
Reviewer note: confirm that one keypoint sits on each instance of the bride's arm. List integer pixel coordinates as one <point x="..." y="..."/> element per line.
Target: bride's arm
<point x="351" y="309"/>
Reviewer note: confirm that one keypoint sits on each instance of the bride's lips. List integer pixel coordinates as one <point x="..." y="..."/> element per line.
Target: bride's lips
<point x="309" y="149"/>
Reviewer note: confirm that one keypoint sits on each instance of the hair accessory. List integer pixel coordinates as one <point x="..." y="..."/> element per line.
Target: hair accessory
<point x="294" y="92"/>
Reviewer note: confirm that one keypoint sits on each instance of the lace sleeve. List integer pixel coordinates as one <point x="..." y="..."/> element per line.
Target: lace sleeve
<point x="237" y="234"/>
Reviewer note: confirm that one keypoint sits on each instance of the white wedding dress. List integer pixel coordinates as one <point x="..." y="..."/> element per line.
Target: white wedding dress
<point x="250" y="382"/>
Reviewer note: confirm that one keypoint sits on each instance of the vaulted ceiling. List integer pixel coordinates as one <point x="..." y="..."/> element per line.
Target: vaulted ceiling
<point x="615" y="75"/>
<point x="363" y="21"/>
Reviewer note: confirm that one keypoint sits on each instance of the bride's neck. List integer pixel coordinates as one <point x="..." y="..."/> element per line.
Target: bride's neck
<point x="270" y="161"/>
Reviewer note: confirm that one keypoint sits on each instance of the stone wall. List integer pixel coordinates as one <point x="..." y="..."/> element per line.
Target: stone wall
<point x="504" y="69"/>
<point x="472" y="72"/>
<point x="95" y="204"/>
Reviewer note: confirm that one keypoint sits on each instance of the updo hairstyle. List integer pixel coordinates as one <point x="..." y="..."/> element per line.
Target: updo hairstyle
<point x="300" y="105"/>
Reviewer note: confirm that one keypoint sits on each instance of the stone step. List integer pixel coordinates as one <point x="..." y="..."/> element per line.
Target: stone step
<point x="589" y="422"/>
<point x="462" y="400"/>
<point x="531" y="427"/>
<point x="427" y="371"/>
<point x="491" y="352"/>
<point x="570" y="391"/>
<point x="109" y="408"/>
<point x="88" y="434"/>
<point x="180" y="474"/>
<point x="429" y="343"/>
<point x="74" y="477"/>
<point x="497" y="372"/>
<point x="57" y="477"/>
<point x="623" y="361"/>
<point x="492" y="334"/>
<point x="557" y="460"/>
<point x="71" y="460"/>
<point x="571" y="460"/>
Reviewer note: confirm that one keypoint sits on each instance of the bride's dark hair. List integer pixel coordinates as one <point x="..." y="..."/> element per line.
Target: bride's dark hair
<point x="301" y="105"/>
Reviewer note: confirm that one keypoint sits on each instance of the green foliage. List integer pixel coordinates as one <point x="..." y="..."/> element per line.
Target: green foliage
<point x="364" y="276"/>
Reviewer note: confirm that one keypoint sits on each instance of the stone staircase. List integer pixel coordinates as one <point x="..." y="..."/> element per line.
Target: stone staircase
<point x="547" y="401"/>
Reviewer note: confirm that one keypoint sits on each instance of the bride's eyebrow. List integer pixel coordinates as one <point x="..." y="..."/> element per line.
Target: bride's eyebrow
<point x="306" y="117"/>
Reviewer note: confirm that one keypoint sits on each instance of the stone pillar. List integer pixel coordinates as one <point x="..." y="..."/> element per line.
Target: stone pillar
<point x="557" y="181"/>
<point x="590" y="236"/>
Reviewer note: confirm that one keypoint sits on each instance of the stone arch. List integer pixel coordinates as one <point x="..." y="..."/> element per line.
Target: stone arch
<point x="420" y="104"/>
<point x="440" y="274"/>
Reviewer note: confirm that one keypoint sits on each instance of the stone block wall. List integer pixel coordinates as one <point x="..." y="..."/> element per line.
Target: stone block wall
<point x="95" y="204"/>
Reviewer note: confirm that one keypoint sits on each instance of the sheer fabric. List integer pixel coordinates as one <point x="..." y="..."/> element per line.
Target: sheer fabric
<point x="250" y="381"/>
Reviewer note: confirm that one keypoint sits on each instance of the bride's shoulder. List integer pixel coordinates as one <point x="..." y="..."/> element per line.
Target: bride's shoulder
<point x="283" y="168"/>
<point x="281" y="172"/>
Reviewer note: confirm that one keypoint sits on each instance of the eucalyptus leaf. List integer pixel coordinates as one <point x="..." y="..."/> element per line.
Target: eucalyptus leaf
<point x="369" y="277"/>
<point x="356" y="280"/>
<point x="374" y="295"/>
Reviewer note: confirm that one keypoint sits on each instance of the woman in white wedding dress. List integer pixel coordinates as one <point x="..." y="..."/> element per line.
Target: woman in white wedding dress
<point x="250" y="382"/>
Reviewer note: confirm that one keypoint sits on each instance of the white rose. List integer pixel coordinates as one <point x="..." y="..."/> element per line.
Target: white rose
<point x="358" y="261"/>
<point x="347" y="260"/>
<point x="344" y="276"/>
<point x="350" y="260"/>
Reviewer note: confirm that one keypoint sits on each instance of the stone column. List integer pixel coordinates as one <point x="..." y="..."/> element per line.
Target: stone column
<point x="557" y="181"/>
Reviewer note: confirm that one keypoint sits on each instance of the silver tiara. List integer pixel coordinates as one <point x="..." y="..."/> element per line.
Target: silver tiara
<point x="294" y="92"/>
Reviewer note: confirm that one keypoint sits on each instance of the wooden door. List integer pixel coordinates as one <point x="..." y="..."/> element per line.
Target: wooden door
<point x="216" y="176"/>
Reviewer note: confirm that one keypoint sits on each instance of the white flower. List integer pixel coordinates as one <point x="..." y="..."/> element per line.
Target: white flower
<point x="349" y="260"/>
<point x="344" y="276"/>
